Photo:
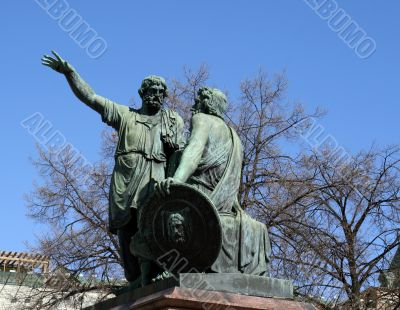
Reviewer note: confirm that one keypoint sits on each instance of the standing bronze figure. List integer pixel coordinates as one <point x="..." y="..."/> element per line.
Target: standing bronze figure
<point x="148" y="140"/>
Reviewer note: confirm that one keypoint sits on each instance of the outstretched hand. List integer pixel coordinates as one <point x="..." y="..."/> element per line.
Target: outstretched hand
<point x="57" y="64"/>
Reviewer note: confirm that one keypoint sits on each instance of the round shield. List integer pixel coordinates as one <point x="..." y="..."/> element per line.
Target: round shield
<point x="182" y="230"/>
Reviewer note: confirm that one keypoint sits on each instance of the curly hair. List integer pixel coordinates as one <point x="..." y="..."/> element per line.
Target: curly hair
<point x="152" y="80"/>
<point x="218" y="104"/>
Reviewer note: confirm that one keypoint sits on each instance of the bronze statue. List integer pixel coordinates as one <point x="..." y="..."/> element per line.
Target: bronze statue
<point x="148" y="140"/>
<point x="195" y="209"/>
<point x="211" y="162"/>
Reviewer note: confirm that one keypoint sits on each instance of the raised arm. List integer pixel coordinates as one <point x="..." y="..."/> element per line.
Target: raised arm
<point x="81" y="89"/>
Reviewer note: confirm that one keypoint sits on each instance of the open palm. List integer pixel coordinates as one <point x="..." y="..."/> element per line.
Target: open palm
<point x="57" y="64"/>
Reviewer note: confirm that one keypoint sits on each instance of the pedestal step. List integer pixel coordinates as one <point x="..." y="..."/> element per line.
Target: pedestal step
<point x="209" y="291"/>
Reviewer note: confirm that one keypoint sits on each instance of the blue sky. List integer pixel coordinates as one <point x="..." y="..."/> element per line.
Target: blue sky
<point x="235" y="39"/>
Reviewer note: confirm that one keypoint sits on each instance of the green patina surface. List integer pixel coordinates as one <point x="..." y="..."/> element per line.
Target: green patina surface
<point x="150" y="141"/>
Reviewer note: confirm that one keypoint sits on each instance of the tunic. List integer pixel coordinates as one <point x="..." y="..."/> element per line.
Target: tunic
<point x="145" y="143"/>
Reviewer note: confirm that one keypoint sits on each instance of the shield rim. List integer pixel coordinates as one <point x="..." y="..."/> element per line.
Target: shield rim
<point x="156" y="249"/>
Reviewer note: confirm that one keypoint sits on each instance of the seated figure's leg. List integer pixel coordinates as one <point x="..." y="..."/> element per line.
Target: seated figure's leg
<point x="228" y="260"/>
<point x="255" y="247"/>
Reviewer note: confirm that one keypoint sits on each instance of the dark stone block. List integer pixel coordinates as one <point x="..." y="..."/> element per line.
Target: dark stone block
<point x="187" y="299"/>
<point x="238" y="283"/>
<point x="203" y="286"/>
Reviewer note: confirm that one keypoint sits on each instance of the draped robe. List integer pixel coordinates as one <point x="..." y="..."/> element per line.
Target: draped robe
<point x="245" y="245"/>
<point x="144" y="145"/>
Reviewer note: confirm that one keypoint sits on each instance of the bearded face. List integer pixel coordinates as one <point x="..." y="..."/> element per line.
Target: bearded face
<point x="154" y="97"/>
<point x="176" y="228"/>
<point x="201" y="103"/>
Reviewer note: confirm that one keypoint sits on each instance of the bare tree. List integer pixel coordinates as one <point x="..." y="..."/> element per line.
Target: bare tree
<point x="333" y="225"/>
<point x="73" y="202"/>
<point x="182" y="92"/>
<point x="265" y="122"/>
<point x="344" y="230"/>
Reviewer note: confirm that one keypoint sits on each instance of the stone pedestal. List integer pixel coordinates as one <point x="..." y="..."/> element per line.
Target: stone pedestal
<point x="208" y="291"/>
<point x="238" y="283"/>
